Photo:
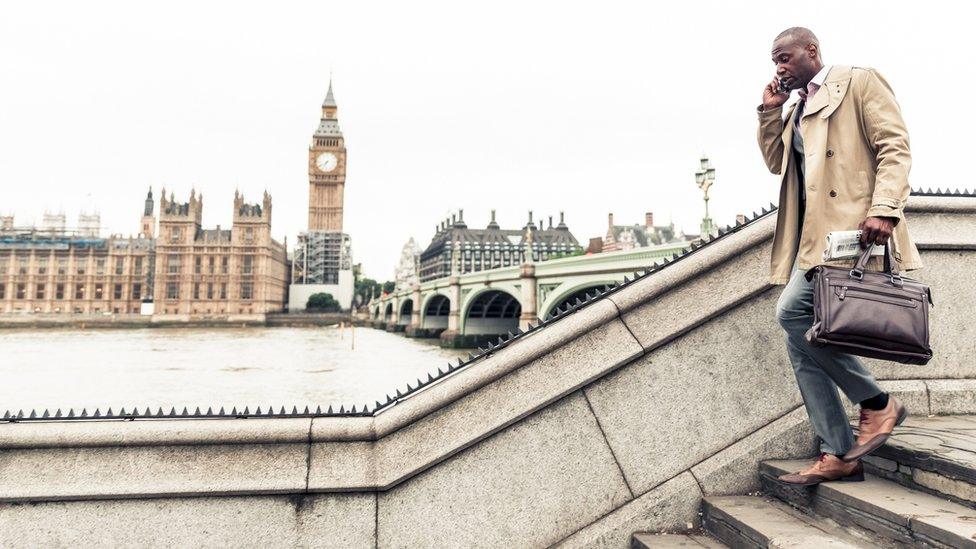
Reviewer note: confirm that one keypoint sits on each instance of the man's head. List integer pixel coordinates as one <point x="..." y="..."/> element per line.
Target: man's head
<point x="796" y="53"/>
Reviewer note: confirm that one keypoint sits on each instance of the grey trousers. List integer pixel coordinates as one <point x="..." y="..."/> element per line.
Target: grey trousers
<point x="820" y="371"/>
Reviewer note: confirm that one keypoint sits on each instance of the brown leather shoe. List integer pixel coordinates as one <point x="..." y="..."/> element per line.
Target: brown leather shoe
<point x="827" y="467"/>
<point x="874" y="428"/>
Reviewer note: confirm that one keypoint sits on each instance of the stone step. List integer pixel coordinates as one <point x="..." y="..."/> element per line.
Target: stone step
<point x="887" y="509"/>
<point x="933" y="454"/>
<point x="756" y="521"/>
<point x="646" y="540"/>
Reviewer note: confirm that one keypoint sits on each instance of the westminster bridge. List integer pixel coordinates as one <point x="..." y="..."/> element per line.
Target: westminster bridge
<point x="473" y="309"/>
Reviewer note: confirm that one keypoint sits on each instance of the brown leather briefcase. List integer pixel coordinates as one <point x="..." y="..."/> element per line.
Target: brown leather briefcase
<point x="869" y="313"/>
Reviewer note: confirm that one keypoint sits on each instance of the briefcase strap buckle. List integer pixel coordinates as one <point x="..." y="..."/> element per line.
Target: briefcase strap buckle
<point x="857" y="273"/>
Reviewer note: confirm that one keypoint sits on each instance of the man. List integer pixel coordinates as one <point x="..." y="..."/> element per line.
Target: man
<point x="842" y="151"/>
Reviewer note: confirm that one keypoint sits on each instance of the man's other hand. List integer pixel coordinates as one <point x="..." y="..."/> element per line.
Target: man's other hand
<point x="875" y="230"/>
<point x="772" y="97"/>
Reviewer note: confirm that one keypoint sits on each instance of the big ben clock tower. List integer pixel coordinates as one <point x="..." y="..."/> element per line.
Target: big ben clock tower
<point x="326" y="171"/>
<point x="322" y="258"/>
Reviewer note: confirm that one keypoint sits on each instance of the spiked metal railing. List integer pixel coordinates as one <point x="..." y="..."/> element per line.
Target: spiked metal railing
<point x="391" y="400"/>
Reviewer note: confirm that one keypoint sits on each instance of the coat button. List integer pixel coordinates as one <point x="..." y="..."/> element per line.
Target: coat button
<point x="833" y="193"/>
<point x="830" y="152"/>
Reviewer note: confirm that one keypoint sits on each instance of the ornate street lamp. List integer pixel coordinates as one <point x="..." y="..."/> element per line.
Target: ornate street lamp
<point x="705" y="177"/>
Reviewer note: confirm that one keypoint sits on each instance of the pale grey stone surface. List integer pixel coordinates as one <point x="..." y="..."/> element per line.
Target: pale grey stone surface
<point x="885" y="506"/>
<point x="735" y="470"/>
<point x="952" y="396"/>
<point x="745" y="521"/>
<point x="652" y="540"/>
<point x="687" y="304"/>
<point x="61" y="434"/>
<point x="341" y="466"/>
<point x="528" y="486"/>
<point x="510" y="398"/>
<point x="151" y="471"/>
<point x="682" y="403"/>
<point x="334" y="520"/>
<point x="672" y="506"/>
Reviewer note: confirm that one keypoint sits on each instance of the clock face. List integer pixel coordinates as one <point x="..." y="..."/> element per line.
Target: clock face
<point x="326" y="162"/>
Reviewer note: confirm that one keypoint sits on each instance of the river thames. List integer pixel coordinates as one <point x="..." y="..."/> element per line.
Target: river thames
<point x="177" y="367"/>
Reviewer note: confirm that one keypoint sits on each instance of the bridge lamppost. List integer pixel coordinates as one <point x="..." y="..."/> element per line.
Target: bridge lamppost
<point x="705" y="177"/>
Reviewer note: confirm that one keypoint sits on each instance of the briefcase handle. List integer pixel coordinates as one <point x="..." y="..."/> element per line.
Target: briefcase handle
<point x="889" y="264"/>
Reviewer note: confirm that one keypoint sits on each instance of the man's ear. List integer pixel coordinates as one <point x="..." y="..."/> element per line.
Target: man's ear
<point x="813" y="51"/>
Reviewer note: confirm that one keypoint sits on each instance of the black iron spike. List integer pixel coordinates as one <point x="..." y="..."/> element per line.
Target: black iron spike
<point x="97" y="413"/>
<point x="409" y="388"/>
<point x="430" y="377"/>
<point x="341" y="409"/>
<point x="460" y="362"/>
<point x="58" y="413"/>
<point x="233" y="411"/>
<point x="84" y="412"/>
<point x="398" y="393"/>
<point x="353" y="411"/>
<point x="377" y="405"/>
<point x="306" y="412"/>
<point x="210" y="410"/>
<point x="282" y="411"/>
<point x="185" y="412"/>
<point x="148" y="412"/>
<point x="257" y="412"/>
<point x="122" y="411"/>
<point x="294" y="410"/>
<point x="109" y="412"/>
<point x="389" y="399"/>
<point x="20" y="414"/>
<point x="318" y="410"/>
<point x="518" y="331"/>
<point x="6" y="415"/>
<point x="197" y="412"/>
<point x="221" y="412"/>
<point x="471" y="356"/>
<point x="330" y="409"/>
<point x="45" y="415"/>
<point x="246" y="411"/>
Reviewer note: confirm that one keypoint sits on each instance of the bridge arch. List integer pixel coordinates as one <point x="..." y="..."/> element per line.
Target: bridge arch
<point x="491" y="311"/>
<point x="406" y="310"/>
<point x="388" y="312"/>
<point x="435" y="312"/>
<point x="571" y="294"/>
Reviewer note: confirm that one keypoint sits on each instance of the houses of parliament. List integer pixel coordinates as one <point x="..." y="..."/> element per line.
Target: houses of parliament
<point x="176" y="268"/>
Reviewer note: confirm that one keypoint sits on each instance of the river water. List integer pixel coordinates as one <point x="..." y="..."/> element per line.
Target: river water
<point x="177" y="367"/>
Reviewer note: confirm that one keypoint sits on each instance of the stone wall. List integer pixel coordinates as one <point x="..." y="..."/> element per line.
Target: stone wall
<point x="615" y="419"/>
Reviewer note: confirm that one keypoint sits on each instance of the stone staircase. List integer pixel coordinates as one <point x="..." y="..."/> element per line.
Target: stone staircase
<point x="920" y="491"/>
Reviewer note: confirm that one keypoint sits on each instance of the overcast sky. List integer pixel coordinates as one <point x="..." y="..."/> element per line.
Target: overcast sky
<point x="584" y="107"/>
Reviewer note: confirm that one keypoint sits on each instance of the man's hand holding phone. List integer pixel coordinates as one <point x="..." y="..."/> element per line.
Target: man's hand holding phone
<point x="774" y="95"/>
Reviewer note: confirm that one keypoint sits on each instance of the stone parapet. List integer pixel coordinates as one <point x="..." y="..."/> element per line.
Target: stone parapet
<point x="617" y="418"/>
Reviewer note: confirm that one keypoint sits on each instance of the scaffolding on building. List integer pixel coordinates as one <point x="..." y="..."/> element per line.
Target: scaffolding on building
<point x="320" y="256"/>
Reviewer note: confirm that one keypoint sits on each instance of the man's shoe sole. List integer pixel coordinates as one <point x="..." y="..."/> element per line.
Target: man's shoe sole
<point x="877" y="442"/>
<point x="859" y="477"/>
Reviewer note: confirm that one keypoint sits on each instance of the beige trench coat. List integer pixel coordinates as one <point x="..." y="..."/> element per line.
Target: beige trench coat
<point x="857" y="161"/>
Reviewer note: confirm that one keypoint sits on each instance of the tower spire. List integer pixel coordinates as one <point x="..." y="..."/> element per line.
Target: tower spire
<point x="329" y="98"/>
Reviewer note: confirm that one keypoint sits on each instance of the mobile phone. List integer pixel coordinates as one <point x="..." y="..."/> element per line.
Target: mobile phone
<point x="781" y="87"/>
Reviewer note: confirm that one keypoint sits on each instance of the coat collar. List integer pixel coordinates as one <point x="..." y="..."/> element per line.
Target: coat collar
<point x="830" y="93"/>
